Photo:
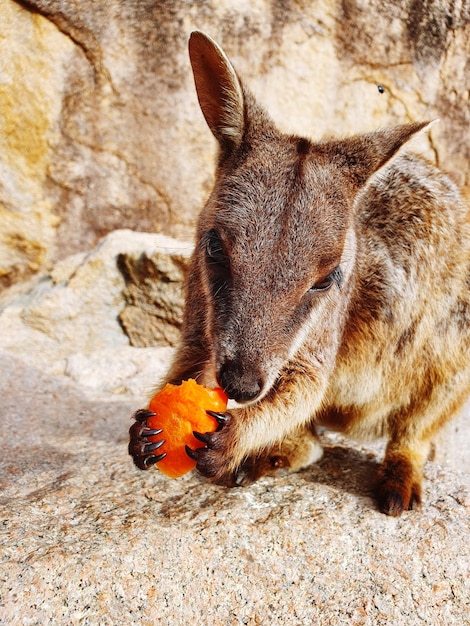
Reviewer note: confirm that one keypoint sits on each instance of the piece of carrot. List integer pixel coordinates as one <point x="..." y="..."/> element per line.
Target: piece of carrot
<point x="180" y="410"/>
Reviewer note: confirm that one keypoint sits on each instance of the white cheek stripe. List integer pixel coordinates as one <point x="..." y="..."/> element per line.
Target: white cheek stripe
<point x="315" y="318"/>
<point x="303" y="332"/>
<point x="233" y="404"/>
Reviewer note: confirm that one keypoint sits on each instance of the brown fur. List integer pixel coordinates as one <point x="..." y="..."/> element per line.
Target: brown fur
<point x="384" y="351"/>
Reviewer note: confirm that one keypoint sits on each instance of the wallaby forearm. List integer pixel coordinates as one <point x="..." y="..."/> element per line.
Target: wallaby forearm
<point x="264" y="424"/>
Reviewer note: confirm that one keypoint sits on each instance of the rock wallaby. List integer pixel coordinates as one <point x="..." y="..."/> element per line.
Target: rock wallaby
<point x="330" y="286"/>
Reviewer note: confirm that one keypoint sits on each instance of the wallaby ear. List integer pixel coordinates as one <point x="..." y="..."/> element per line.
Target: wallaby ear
<point x="218" y="89"/>
<point x="364" y="155"/>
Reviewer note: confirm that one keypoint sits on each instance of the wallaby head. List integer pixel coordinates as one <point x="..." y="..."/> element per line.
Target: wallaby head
<point x="276" y="245"/>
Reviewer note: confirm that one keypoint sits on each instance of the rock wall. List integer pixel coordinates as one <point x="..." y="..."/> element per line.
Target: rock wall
<point x="100" y="127"/>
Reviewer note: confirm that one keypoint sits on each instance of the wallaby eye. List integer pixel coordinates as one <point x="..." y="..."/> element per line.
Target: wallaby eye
<point x="334" y="277"/>
<point x="214" y="249"/>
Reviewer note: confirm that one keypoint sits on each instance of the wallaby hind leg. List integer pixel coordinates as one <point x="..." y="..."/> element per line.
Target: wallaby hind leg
<point x="293" y="453"/>
<point x="400" y="477"/>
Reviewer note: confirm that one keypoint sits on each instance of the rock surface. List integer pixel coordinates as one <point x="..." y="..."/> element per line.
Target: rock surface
<point x="89" y="539"/>
<point x="100" y="127"/>
<point x="68" y="321"/>
<point x="154" y="304"/>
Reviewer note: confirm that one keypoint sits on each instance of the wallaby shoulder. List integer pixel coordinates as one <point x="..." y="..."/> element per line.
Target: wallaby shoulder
<point x="413" y="228"/>
<point x="413" y="198"/>
<point x="408" y="327"/>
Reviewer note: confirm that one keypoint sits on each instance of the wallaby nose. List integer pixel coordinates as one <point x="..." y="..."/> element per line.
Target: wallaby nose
<point x="239" y="385"/>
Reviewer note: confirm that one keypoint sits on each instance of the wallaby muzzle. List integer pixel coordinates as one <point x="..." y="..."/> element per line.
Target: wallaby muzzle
<point x="240" y="384"/>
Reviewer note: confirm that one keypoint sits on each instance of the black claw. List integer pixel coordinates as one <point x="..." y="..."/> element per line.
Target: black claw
<point x="191" y="453"/>
<point x="149" y="432"/>
<point x="152" y="460"/>
<point x="205" y="438"/>
<point x="150" y="447"/>
<point x="222" y="418"/>
<point x="142" y="414"/>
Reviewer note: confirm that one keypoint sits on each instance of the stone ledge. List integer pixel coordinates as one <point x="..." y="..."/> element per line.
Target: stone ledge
<point x="89" y="539"/>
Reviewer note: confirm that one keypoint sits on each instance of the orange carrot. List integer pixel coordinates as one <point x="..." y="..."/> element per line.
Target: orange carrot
<point x="180" y="410"/>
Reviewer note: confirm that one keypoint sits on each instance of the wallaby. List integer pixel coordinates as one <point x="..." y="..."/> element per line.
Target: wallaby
<point x="330" y="286"/>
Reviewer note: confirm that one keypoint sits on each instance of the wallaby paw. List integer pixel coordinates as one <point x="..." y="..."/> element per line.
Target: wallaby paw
<point x="213" y="459"/>
<point x="256" y="466"/>
<point x="293" y="454"/>
<point x="398" y="489"/>
<point x="140" y="448"/>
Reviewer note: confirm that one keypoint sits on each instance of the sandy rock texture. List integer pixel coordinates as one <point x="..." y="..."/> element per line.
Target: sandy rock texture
<point x="74" y="321"/>
<point x="100" y="127"/>
<point x="86" y="538"/>
<point x="154" y="288"/>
